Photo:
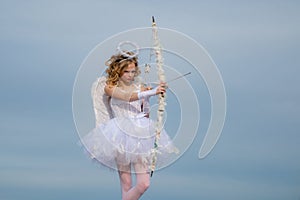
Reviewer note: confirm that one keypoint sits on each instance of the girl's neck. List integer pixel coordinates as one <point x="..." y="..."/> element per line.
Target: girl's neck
<point x="125" y="86"/>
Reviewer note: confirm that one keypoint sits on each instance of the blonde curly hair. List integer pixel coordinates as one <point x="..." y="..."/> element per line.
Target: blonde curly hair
<point x="117" y="64"/>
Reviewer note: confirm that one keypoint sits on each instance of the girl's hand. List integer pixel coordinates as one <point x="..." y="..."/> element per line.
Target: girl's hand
<point x="161" y="89"/>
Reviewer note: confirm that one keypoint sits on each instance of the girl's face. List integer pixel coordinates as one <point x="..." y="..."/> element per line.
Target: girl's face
<point x="128" y="74"/>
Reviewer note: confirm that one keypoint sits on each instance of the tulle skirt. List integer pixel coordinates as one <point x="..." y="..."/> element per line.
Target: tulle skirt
<point x="124" y="141"/>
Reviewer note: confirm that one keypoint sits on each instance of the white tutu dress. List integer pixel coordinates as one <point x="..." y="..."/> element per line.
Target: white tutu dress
<point x="127" y="137"/>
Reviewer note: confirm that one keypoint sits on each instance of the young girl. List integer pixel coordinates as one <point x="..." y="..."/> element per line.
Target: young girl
<point x="125" y="141"/>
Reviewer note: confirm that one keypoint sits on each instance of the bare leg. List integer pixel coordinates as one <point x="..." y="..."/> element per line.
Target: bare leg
<point x="125" y="179"/>
<point x="142" y="183"/>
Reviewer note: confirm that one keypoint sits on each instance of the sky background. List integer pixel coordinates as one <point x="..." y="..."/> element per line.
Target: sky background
<point x="255" y="46"/>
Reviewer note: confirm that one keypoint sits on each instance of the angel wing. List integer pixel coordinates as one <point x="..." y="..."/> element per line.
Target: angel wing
<point x="102" y="109"/>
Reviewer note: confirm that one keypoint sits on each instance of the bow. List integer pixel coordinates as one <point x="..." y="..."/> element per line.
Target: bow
<point x="161" y="98"/>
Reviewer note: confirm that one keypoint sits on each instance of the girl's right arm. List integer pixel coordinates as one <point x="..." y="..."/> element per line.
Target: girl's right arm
<point x="117" y="93"/>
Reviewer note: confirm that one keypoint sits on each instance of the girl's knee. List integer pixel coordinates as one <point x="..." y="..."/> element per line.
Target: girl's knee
<point x="125" y="179"/>
<point x="143" y="185"/>
<point x="126" y="185"/>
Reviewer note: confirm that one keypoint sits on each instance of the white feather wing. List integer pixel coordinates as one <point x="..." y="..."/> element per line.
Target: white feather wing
<point x="101" y="104"/>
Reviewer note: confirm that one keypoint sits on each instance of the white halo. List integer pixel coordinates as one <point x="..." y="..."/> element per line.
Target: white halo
<point x="128" y="43"/>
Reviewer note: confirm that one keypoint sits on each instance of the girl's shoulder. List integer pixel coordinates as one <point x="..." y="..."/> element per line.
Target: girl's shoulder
<point x="109" y="89"/>
<point x="109" y="86"/>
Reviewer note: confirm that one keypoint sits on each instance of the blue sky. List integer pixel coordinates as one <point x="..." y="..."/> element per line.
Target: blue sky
<point x="255" y="46"/>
